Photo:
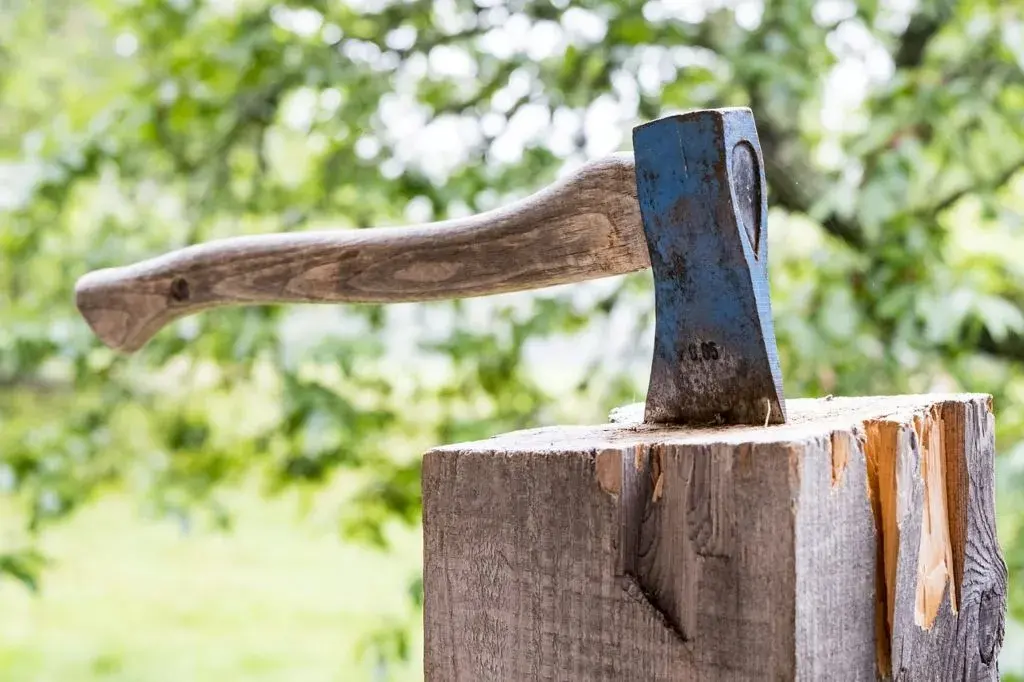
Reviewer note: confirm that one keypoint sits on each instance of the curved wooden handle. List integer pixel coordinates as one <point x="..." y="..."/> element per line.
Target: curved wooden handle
<point x="584" y="227"/>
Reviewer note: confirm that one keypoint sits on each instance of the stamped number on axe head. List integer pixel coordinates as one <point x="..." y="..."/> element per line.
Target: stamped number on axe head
<point x="691" y="205"/>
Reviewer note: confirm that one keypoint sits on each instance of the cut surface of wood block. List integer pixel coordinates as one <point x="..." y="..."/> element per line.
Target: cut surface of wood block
<point x="854" y="542"/>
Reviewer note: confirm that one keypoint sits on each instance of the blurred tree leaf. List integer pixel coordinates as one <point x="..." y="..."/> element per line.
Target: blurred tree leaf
<point x="23" y="566"/>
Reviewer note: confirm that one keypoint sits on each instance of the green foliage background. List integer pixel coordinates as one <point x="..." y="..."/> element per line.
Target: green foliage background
<point x="893" y="133"/>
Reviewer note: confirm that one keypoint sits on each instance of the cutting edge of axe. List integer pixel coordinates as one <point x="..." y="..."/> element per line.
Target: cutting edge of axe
<point x="689" y="202"/>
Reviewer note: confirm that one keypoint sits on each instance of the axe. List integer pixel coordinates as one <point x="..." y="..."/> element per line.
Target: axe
<point x="690" y="203"/>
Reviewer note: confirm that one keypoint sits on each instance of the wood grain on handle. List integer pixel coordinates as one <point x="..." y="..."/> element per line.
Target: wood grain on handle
<point x="584" y="227"/>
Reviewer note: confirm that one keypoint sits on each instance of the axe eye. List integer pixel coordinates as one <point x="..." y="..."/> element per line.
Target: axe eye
<point x="746" y="182"/>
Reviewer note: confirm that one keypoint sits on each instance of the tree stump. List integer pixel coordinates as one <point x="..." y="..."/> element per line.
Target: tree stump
<point x="855" y="542"/>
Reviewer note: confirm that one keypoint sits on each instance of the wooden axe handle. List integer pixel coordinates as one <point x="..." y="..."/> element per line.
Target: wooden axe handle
<point x="584" y="227"/>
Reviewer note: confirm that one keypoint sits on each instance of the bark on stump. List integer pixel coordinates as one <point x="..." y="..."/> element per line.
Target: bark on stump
<point x="855" y="542"/>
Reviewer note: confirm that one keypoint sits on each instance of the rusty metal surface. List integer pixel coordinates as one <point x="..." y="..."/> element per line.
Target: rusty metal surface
<point x="701" y="187"/>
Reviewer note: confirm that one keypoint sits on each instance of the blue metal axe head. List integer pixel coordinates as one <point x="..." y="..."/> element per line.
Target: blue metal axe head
<point x="701" y="188"/>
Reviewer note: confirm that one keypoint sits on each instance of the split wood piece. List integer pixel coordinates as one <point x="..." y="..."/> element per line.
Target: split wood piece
<point x="854" y="542"/>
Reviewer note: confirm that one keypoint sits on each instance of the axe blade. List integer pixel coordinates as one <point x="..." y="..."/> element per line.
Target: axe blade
<point x="701" y="189"/>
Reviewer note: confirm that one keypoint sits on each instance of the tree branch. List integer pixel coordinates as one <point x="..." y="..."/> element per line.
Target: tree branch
<point x="1009" y="348"/>
<point x="998" y="181"/>
<point x="922" y="28"/>
<point x="793" y="181"/>
<point x="483" y="92"/>
<point x="791" y="177"/>
<point x="34" y="384"/>
<point x="161" y="127"/>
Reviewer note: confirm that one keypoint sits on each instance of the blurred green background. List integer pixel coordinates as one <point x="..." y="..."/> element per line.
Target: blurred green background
<point x="241" y="499"/>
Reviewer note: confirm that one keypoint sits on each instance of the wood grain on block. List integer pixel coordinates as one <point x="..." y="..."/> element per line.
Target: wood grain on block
<point x="854" y="542"/>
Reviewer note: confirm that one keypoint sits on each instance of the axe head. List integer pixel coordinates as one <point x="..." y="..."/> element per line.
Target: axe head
<point x="702" y="193"/>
